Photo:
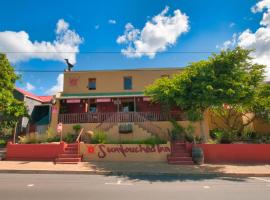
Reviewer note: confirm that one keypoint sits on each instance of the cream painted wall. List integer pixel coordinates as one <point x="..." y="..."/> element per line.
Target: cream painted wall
<point x="159" y="153"/>
<point x="112" y="81"/>
<point x="138" y="134"/>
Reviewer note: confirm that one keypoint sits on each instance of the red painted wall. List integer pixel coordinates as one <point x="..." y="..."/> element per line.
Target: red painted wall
<point x="235" y="153"/>
<point x="34" y="152"/>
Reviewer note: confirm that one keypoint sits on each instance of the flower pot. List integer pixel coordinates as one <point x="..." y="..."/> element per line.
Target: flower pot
<point x="197" y="155"/>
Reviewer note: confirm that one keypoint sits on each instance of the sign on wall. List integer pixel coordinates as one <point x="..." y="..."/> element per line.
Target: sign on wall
<point x="125" y="151"/>
<point x="73" y="81"/>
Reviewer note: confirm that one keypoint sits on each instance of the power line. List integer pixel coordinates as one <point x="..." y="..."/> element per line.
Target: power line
<point x="108" y="52"/>
<point x="42" y="71"/>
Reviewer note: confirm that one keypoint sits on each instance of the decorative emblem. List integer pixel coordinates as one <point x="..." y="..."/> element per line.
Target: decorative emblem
<point x="91" y="149"/>
<point x="73" y="81"/>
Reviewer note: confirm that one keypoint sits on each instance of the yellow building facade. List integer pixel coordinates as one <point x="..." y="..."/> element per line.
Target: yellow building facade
<point x="111" y="100"/>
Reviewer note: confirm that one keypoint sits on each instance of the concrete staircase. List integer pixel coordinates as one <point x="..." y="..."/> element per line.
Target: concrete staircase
<point x="70" y="155"/>
<point x="179" y="154"/>
<point x="2" y="153"/>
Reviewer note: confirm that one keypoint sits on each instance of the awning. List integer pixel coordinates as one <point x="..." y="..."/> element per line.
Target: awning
<point x="103" y="100"/>
<point x="100" y="95"/>
<point x="73" y="101"/>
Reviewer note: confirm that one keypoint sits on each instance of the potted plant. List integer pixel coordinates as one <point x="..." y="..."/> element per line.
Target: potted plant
<point x="197" y="152"/>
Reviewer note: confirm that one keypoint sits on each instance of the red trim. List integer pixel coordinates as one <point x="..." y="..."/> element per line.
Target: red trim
<point x="235" y="153"/>
<point x="42" y="152"/>
<point x="43" y="99"/>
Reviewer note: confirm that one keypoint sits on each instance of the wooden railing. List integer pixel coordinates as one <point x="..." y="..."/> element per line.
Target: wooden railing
<point x="113" y="117"/>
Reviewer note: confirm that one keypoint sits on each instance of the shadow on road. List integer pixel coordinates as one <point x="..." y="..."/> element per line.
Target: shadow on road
<point x="161" y="172"/>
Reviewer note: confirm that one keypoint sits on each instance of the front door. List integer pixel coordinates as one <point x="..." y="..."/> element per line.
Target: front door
<point x="127" y="107"/>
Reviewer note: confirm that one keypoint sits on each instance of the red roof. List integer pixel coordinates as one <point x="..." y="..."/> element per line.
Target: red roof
<point x="43" y="99"/>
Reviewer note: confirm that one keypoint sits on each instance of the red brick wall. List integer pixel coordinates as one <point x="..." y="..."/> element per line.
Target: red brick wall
<point x="33" y="152"/>
<point x="235" y="153"/>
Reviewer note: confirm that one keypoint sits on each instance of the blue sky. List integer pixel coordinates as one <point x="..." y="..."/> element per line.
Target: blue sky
<point x="210" y="24"/>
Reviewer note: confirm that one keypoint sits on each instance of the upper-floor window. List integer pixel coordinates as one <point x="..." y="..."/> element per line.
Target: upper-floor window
<point x="92" y="84"/>
<point x="127" y="83"/>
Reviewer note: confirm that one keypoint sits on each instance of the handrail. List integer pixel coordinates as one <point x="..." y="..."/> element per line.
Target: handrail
<point x="78" y="138"/>
<point x="113" y="117"/>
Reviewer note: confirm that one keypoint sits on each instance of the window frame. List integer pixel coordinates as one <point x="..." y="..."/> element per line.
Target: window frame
<point x="89" y="81"/>
<point x="125" y="84"/>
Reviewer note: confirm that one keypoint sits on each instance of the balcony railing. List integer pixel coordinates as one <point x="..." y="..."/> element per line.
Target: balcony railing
<point x="119" y="117"/>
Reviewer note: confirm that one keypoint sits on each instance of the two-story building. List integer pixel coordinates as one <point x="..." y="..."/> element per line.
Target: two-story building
<point x="105" y="99"/>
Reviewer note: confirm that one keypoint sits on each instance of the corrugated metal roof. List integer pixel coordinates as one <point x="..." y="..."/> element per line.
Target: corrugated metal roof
<point x="43" y="99"/>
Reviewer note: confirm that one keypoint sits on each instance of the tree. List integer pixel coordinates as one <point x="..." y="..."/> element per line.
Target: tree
<point x="11" y="110"/>
<point x="236" y="117"/>
<point x="228" y="78"/>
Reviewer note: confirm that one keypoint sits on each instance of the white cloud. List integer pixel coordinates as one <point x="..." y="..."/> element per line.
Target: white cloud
<point x="157" y="35"/>
<point x="58" y="87"/>
<point x="258" y="40"/>
<point x="96" y="27"/>
<point x="30" y="87"/>
<point x="61" y="26"/>
<point x="112" y="21"/>
<point x="66" y="45"/>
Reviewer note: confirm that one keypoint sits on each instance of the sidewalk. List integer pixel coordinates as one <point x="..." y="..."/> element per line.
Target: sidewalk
<point x="132" y="168"/>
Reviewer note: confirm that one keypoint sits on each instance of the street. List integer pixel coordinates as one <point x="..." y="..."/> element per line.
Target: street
<point x="54" y="186"/>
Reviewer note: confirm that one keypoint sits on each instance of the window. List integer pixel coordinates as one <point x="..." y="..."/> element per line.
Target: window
<point x="127" y="83"/>
<point x="92" y="84"/>
<point x="93" y="108"/>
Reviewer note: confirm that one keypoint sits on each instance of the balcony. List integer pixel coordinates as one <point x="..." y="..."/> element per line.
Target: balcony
<point x="116" y="117"/>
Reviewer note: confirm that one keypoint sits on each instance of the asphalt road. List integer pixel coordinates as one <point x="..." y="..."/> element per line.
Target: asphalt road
<point x="95" y="187"/>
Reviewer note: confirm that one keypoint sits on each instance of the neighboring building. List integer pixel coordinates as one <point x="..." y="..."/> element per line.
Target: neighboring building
<point x="111" y="99"/>
<point x="39" y="110"/>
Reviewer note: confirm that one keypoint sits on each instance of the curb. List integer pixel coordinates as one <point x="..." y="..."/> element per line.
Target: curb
<point x="133" y="173"/>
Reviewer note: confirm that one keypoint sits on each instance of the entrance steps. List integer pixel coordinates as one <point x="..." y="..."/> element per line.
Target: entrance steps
<point x="179" y="154"/>
<point x="70" y="155"/>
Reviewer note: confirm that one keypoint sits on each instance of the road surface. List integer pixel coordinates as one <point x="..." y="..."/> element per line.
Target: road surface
<point x="65" y="187"/>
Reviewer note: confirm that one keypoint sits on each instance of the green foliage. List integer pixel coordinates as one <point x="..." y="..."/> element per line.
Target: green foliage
<point x="230" y="78"/>
<point x="99" y="137"/>
<point x="55" y="138"/>
<point x="179" y="132"/>
<point x="3" y="142"/>
<point x="247" y="136"/>
<point x="153" y="140"/>
<point x="222" y="136"/>
<point x="33" y="138"/>
<point x="77" y="128"/>
<point x="5" y="137"/>
<point x="70" y="138"/>
<point x="160" y="91"/>
<point x="11" y="109"/>
<point x="52" y="136"/>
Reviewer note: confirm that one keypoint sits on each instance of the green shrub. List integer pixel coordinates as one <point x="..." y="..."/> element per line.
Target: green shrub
<point x="153" y="141"/>
<point x="3" y="143"/>
<point x="33" y="138"/>
<point x="99" y="137"/>
<point x="70" y="138"/>
<point x="149" y="141"/>
<point x="55" y="138"/>
<point x="77" y="128"/>
<point x="177" y="132"/>
<point x="52" y="136"/>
